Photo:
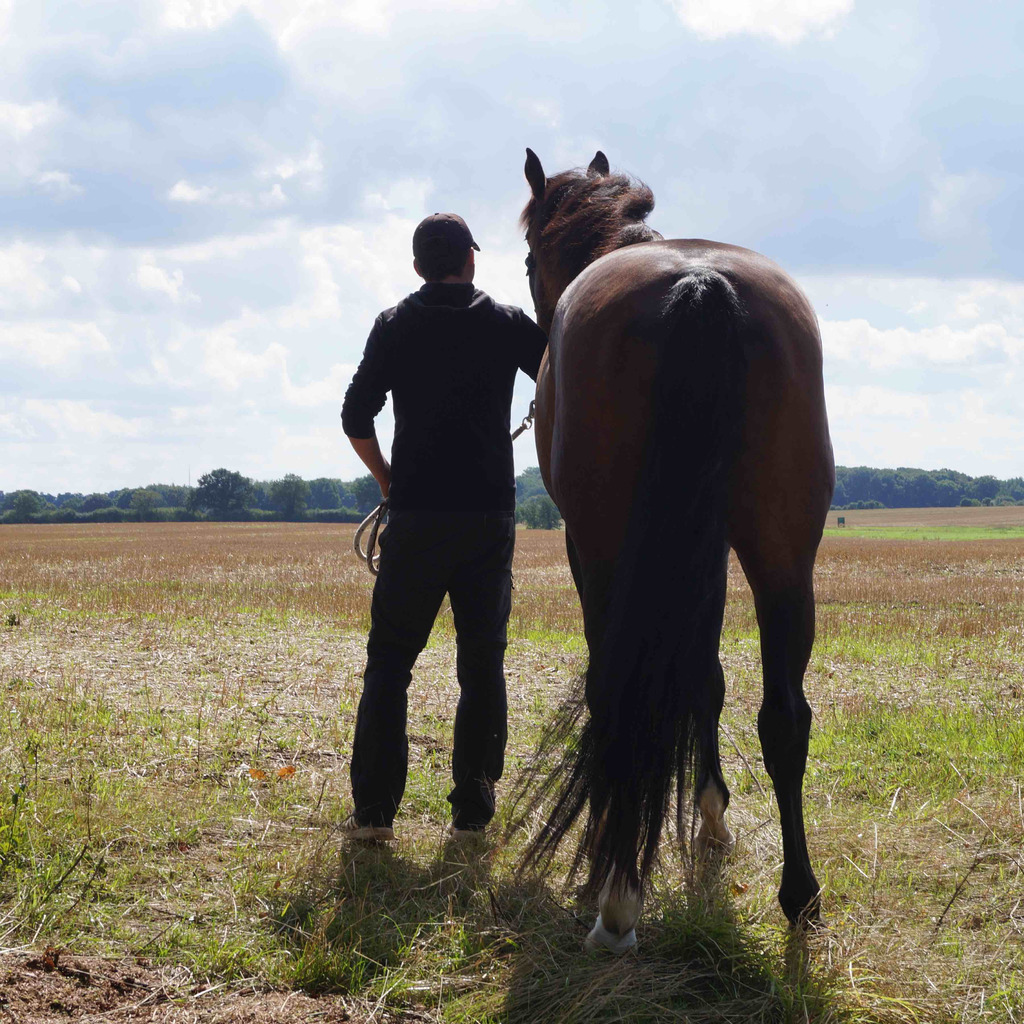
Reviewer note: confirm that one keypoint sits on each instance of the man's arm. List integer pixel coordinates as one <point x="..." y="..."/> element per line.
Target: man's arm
<point x="532" y="343"/>
<point x="373" y="459"/>
<point x="365" y="398"/>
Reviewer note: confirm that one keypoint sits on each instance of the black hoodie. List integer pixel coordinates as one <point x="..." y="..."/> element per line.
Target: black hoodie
<point x="448" y="354"/>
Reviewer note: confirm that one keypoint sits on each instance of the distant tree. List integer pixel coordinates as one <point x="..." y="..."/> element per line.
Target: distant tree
<point x="365" y="492"/>
<point x="290" y="495"/>
<point x="69" y="500"/>
<point x="261" y="495"/>
<point x="222" y="494"/>
<point x="145" y="501"/>
<point x="23" y="505"/>
<point x="123" y="498"/>
<point x="324" y="493"/>
<point x="985" y="487"/>
<point x="539" y="513"/>
<point x="171" y="495"/>
<point x="92" y="502"/>
<point x="529" y="483"/>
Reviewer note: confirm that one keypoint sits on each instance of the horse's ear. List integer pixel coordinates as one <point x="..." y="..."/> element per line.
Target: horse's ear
<point x="535" y="174"/>
<point x="599" y="165"/>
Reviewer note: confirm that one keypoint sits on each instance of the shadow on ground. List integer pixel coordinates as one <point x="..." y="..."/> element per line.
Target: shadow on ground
<point x="695" y="962"/>
<point x="447" y="941"/>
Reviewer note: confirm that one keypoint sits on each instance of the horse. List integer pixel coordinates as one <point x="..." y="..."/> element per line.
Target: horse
<point x="680" y="412"/>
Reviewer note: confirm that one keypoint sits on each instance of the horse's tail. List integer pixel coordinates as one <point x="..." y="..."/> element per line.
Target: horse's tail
<point x="649" y="687"/>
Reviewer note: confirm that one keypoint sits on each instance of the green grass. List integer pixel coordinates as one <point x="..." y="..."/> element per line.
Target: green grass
<point x="142" y="815"/>
<point x="950" y="533"/>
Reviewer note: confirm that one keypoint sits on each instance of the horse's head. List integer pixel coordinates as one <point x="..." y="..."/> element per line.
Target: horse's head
<point x="574" y="218"/>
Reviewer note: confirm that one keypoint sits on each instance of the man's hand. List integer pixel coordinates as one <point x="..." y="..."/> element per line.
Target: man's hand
<point x="373" y="459"/>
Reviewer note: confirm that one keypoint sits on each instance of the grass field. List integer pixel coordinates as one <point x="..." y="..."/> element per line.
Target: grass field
<point x="178" y="705"/>
<point x="931" y="523"/>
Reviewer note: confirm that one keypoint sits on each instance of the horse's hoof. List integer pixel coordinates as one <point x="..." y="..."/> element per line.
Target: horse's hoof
<point x="711" y="848"/>
<point x="803" y="915"/>
<point x="600" y="938"/>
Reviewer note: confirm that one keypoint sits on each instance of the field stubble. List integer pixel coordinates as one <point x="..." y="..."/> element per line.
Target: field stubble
<point x="178" y="708"/>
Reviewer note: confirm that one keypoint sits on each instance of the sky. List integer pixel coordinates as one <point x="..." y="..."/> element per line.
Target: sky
<point x="205" y="203"/>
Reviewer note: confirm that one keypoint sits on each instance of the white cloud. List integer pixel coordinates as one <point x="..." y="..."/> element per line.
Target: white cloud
<point x="857" y="341"/>
<point x="309" y="167"/>
<point x="230" y="364"/>
<point x="954" y="430"/>
<point x="282" y="17"/>
<point x="956" y="202"/>
<point x="786" y="21"/>
<point x="156" y="279"/>
<point x="224" y="248"/>
<point x="274" y="196"/>
<point x="58" y="184"/>
<point x="183" y="192"/>
<point x="322" y="392"/>
<point x="368" y="265"/>
<point x="18" y="120"/>
<point x="874" y="402"/>
<point x="21" y="281"/>
<point x="409" y="196"/>
<point x="74" y="419"/>
<point x="51" y="345"/>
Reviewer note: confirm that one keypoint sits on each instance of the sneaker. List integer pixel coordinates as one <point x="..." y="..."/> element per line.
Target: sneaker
<point x="352" y="828"/>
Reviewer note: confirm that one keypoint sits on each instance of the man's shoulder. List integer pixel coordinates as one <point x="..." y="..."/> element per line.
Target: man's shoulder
<point x="506" y="311"/>
<point x="385" y="316"/>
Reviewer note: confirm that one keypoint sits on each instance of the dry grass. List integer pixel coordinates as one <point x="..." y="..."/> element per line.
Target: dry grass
<point x="977" y="517"/>
<point x="159" y="677"/>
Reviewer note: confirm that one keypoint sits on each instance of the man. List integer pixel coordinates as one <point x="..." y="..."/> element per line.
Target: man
<point x="448" y="354"/>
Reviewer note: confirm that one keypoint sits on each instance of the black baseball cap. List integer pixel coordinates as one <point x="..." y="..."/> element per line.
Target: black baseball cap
<point x="442" y="234"/>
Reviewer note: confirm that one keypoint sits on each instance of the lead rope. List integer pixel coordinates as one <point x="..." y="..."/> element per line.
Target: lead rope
<point x="527" y="422"/>
<point x="374" y="521"/>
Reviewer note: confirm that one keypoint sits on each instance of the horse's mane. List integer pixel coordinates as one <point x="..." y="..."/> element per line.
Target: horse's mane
<point x="583" y="216"/>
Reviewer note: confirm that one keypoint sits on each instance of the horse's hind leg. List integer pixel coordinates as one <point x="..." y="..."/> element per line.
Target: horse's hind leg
<point x="619" y="903"/>
<point x="712" y="794"/>
<point x="619" y="908"/>
<point x="785" y="616"/>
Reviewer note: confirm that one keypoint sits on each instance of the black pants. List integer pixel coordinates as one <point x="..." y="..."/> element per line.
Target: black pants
<point x="423" y="556"/>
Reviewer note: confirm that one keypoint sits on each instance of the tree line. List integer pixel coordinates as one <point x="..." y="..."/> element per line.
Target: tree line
<point x="864" y="487"/>
<point x="226" y="495"/>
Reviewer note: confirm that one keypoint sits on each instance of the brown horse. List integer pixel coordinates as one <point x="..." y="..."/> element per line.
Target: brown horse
<point x="680" y="412"/>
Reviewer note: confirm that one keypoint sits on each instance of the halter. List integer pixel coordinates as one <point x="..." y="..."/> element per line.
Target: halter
<point x="531" y="271"/>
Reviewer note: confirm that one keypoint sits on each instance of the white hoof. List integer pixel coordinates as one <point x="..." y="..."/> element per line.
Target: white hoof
<point x="710" y="844"/>
<point x="601" y="938"/>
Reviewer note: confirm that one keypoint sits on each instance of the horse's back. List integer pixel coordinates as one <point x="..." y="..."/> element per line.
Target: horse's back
<point x="604" y="356"/>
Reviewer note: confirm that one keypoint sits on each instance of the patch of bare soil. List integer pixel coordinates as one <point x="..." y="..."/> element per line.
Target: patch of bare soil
<point x="54" y="986"/>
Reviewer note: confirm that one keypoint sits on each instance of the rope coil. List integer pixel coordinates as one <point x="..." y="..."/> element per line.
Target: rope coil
<point x="375" y="520"/>
<point x="370" y="555"/>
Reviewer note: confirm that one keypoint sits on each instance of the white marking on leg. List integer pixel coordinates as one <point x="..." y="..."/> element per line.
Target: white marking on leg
<point x="714" y="837"/>
<point x="619" y="906"/>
